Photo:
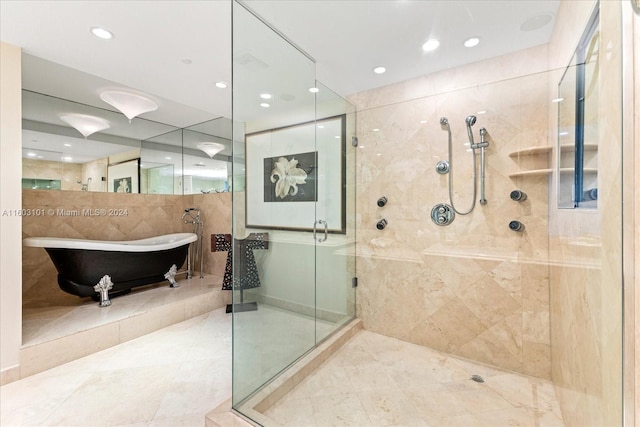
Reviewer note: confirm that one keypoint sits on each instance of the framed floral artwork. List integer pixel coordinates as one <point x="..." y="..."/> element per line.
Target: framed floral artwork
<point x="295" y="175"/>
<point x="124" y="177"/>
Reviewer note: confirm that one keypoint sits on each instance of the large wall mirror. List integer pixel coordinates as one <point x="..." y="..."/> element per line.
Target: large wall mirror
<point x="578" y="123"/>
<point x="128" y="156"/>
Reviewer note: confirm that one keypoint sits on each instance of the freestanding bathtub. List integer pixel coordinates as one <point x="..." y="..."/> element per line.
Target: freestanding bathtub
<point x="95" y="267"/>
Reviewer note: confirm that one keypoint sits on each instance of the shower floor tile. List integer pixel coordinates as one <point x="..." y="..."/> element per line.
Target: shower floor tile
<point x="375" y="380"/>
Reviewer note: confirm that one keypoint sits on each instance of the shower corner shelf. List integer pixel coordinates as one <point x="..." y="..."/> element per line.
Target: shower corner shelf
<point x="530" y="152"/>
<point x="533" y="172"/>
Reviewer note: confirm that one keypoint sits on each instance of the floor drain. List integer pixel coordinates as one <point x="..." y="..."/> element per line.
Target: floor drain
<point x="477" y="378"/>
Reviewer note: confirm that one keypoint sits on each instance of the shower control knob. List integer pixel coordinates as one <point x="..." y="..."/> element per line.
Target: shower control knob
<point x="518" y="196"/>
<point x="442" y="214"/>
<point x="382" y="201"/>
<point x="442" y="167"/>
<point x="381" y="224"/>
<point x="516" y="226"/>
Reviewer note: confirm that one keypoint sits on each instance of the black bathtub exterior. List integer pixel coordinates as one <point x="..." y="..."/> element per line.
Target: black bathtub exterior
<point x="79" y="270"/>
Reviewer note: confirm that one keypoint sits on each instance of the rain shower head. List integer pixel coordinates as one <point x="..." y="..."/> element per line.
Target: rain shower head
<point x="470" y="120"/>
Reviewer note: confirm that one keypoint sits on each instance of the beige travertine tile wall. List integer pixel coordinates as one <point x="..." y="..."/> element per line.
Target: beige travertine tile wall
<point x="585" y="246"/>
<point x="474" y="288"/>
<point x="633" y="388"/>
<point x="147" y="215"/>
<point x="67" y="173"/>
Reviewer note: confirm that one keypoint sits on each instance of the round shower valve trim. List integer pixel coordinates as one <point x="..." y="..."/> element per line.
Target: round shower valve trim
<point x="442" y="214"/>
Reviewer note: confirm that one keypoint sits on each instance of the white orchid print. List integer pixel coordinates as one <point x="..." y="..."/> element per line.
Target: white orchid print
<point x="287" y="176"/>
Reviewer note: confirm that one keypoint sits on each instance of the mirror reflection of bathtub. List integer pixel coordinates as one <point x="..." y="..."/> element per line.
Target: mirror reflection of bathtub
<point x="82" y="264"/>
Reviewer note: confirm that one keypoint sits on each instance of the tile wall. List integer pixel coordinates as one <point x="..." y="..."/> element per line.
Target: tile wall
<point x="585" y="245"/>
<point x="67" y="173"/>
<point x="474" y="288"/>
<point x="146" y="216"/>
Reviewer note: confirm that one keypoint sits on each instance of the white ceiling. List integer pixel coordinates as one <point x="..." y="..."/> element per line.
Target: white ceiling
<point x="153" y="39"/>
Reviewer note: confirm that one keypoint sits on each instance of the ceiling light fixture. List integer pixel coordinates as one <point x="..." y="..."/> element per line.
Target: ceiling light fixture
<point x="222" y="85"/>
<point x="265" y="96"/>
<point x="265" y="104"/>
<point x="471" y="42"/>
<point x="379" y="70"/>
<point x="129" y="104"/>
<point x="430" y="45"/>
<point x="31" y="154"/>
<point x="536" y="22"/>
<point x="314" y="90"/>
<point x="84" y="124"/>
<point x="101" y="33"/>
<point x="210" y="148"/>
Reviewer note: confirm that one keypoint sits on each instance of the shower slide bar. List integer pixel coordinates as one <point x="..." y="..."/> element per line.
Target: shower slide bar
<point x="482" y="145"/>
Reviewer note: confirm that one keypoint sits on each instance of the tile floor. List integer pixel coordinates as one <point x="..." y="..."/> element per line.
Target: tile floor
<point x="174" y="376"/>
<point x="171" y="377"/>
<point x="375" y="380"/>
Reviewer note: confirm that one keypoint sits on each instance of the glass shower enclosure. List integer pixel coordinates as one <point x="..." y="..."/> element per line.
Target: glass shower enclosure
<point x="293" y="206"/>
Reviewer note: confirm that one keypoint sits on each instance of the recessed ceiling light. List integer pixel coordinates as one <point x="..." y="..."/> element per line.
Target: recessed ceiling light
<point x="222" y="85"/>
<point x="31" y="154"/>
<point x="482" y="112"/>
<point x="430" y="45"/>
<point x="471" y="42"/>
<point x="423" y="121"/>
<point x="67" y="145"/>
<point x="379" y="70"/>
<point x="557" y="100"/>
<point x="314" y="90"/>
<point x="376" y="130"/>
<point x="265" y="104"/>
<point x="265" y="96"/>
<point x="563" y="133"/>
<point x="167" y="158"/>
<point x="101" y="33"/>
<point x="67" y="158"/>
<point x="320" y="127"/>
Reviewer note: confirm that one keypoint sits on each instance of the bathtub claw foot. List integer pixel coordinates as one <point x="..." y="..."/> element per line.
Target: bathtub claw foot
<point x="103" y="287"/>
<point x="170" y="276"/>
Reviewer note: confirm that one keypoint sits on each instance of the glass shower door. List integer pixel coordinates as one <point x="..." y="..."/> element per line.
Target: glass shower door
<point x="274" y="197"/>
<point x="335" y="211"/>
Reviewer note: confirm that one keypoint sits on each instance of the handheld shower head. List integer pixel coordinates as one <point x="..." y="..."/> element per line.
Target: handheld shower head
<point x="470" y="120"/>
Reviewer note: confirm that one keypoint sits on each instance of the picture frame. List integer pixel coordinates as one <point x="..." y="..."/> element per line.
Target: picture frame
<point x="296" y="175"/>
<point x="124" y="177"/>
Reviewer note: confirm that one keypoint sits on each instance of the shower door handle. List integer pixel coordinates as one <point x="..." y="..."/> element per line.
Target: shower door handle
<point x="315" y="229"/>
